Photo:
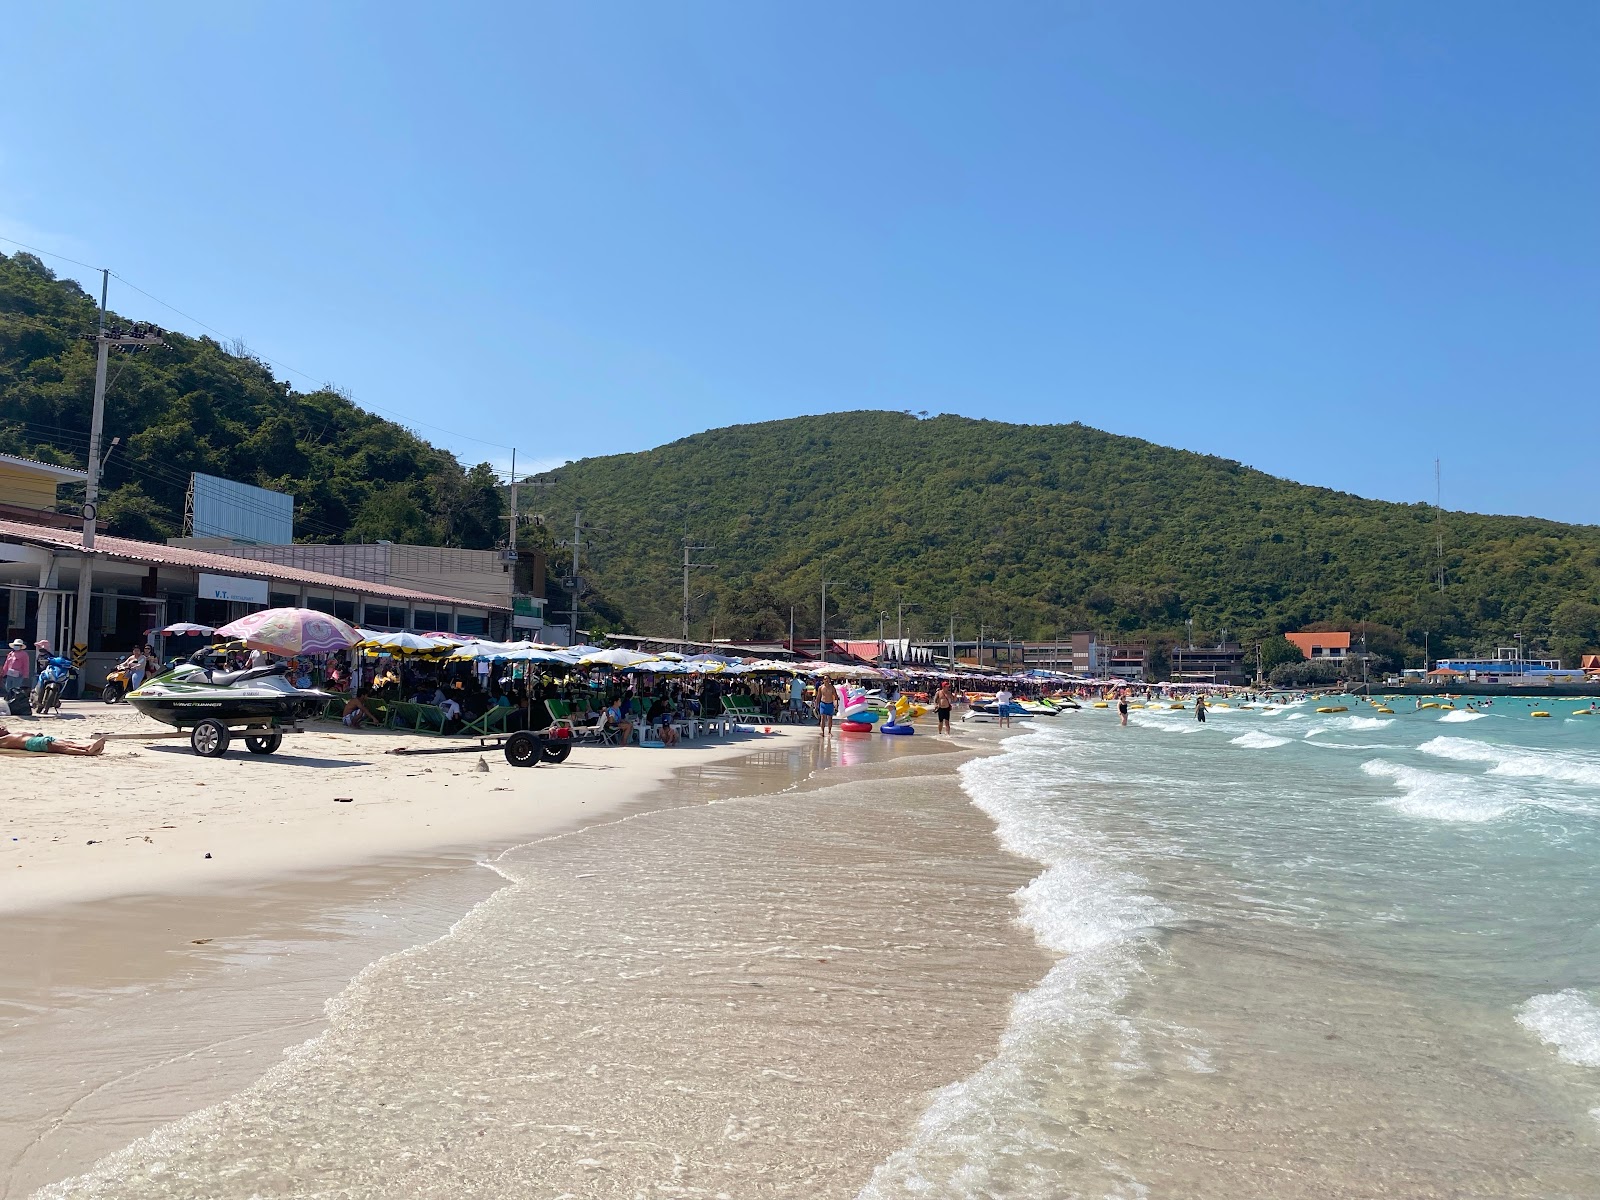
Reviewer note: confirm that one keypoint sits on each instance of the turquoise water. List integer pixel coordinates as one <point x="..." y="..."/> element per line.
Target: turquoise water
<point x="1300" y="954"/>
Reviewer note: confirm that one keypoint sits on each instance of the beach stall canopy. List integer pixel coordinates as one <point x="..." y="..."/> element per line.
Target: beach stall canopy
<point x="186" y="629"/>
<point x="614" y="658"/>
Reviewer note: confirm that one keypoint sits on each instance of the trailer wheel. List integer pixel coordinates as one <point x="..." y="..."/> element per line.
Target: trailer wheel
<point x="263" y="743"/>
<point x="555" y="752"/>
<point x="209" y="739"/>
<point x="522" y="749"/>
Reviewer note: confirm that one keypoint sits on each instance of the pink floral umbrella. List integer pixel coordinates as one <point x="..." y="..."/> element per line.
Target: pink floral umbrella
<point x="291" y="631"/>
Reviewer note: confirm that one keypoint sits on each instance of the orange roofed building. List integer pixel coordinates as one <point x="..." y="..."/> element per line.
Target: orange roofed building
<point x="1319" y="646"/>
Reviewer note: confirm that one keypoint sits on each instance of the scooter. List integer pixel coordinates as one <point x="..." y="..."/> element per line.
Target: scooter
<point x="52" y="682"/>
<point x="118" y="684"/>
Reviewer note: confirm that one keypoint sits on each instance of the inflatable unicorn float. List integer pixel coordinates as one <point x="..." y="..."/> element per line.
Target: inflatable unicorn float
<point x="859" y="711"/>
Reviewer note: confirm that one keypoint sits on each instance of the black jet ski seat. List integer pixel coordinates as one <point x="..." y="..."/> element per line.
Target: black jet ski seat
<point x="224" y="678"/>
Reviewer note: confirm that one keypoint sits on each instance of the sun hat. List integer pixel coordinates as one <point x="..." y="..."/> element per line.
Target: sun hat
<point x="42" y="644"/>
<point x="18" y="644"/>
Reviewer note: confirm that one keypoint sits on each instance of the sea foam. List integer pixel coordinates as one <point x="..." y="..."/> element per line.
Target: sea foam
<point x="1085" y="909"/>
<point x="1559" y="766"/>
<point x="1567" y="1020"/>
<point x="1438" y="795"/>
<point x="1256" y="740"/>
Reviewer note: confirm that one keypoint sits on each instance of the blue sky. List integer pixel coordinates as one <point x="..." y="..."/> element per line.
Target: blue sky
<point x="1332" y="240"/>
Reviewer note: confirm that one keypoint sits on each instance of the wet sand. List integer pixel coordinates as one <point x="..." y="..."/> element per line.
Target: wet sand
<point x="141" y="1010"/>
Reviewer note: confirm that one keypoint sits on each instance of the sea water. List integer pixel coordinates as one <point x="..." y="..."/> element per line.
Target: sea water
<point x="1299" y="954"/>
<point x="1279" y="954"/>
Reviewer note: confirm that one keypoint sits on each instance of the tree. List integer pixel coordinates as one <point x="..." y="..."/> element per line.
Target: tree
<point x="1277" y="650"/>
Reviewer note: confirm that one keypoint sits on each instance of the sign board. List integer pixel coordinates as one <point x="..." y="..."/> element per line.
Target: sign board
<point x="240" y="512"/>
<point x="229" y="587"/>
<point x="527" y="606"/>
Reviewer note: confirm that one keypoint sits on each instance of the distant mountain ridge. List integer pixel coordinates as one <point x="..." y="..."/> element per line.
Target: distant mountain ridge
<point x="1037" y="530"/>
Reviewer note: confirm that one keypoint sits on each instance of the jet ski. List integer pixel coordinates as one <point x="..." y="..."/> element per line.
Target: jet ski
<point x="192" y="692"/>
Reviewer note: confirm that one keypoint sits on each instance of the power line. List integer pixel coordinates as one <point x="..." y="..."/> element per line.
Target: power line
<point x="320" y="384"/>
<point x="50" y="254"/>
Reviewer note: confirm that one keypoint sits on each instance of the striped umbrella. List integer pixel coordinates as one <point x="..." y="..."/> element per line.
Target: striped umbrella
<point x="291" y="631"/>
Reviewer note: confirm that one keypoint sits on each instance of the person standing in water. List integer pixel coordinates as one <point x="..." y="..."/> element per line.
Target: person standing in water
<point x="943" y="701"/>
<point x="1200" y="707"/>
<point x="827" y="701"/>
<point x="1122" y="707"/>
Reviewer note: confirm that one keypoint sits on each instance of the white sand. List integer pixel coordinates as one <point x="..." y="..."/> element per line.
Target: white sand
<point x="143" y="818"/>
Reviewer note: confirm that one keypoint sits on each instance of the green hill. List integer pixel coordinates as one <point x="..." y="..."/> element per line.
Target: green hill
<point x="1035" y="530"/>
<point x="197" y="407"/>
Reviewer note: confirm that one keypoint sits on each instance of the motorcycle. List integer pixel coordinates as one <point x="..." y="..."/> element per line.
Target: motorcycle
<point x="117" y="685"/>
<point x="53" y="680"/>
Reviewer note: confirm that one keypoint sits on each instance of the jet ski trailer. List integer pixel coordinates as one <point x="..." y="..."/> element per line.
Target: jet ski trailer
<point x="211" y="708"/>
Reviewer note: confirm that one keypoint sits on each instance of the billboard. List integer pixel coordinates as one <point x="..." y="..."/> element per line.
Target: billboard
<point x="231" y="587"/>
<point x="221" y="508"/>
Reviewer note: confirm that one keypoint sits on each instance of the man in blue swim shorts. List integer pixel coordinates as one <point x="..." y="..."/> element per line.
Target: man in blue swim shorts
<point x="827" y="700"/>
<point x="44" y="744"/>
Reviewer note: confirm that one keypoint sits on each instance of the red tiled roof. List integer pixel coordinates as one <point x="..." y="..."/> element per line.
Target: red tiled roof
<point x="128" y="550"/>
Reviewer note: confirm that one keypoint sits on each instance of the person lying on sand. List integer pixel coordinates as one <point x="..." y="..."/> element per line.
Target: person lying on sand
<point x="44" y="744"/>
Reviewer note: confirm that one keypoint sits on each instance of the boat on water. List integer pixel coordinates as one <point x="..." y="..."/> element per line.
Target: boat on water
<point x="192" y="692"/>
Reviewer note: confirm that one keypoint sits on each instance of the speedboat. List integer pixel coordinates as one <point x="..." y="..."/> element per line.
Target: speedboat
<point x="191" y="692"/>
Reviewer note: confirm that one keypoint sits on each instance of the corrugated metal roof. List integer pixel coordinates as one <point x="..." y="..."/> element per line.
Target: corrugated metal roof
<point x="128" y="550"/>
<point x="16" y="460"/>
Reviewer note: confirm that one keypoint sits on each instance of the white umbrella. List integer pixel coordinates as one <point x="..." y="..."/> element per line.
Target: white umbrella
<point x="613" y="658"/>
<point x="186" y="629"/>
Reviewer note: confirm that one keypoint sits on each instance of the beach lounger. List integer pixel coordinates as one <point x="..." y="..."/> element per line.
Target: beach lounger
<point x="492" y="722"/>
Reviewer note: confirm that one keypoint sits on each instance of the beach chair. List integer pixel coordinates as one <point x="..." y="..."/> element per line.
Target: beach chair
<point x="561" y="717"/>
<point x="743" y="709"/>
<point x="490" y="723"/>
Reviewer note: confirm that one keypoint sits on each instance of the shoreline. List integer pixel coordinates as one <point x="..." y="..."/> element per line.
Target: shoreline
<point x="289" y="932"/>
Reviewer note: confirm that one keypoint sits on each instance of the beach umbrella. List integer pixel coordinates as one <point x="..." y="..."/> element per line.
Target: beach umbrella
<point x="186" y="629"/>
<point x="613" y="658"/>
<point x="291" y="631"/>
<point x="402" y="643"/>
<point x="533" y="652"/>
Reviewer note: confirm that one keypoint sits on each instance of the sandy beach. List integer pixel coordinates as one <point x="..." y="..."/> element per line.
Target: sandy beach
<point x="160" y="980"/>
<point x="151" y="817"/>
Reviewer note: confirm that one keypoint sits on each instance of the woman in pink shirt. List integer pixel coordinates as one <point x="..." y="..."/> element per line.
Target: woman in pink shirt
<point x="18" y="669"/>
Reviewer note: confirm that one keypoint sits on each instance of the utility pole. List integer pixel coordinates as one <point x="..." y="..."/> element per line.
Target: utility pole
<point x="952" y="639"/>
<point x="791" y="629"/>
<point x="140" y="338"/>
<point x="687" y="549"/>
<point x="981" y="628"/>
<point x="900" y="607"/>
<point x="574" y="582"/>
<point x="882" y="649"/>
<point x="822" y="626"/>
<point x="511" y="540"/>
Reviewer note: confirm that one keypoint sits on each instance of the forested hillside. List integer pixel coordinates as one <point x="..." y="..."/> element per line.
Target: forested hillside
<point x="1035" y="530"/>
<point x="1032" y="531"/>
<point x="197" y="407"/>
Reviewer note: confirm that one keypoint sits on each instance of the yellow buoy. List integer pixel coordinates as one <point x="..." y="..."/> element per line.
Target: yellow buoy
<point x="1101" y="704"/>
<point x="1228" y="706"/>
<point x="1174" y="706"/>
<point x="1133" y="706"/>
<point x="1541" y="713"/>
<point x="1380" y="708"/>
<point x="1334" y="708"/>
<point x="1429" y="704"/>
<point x="1582" y="712"/>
